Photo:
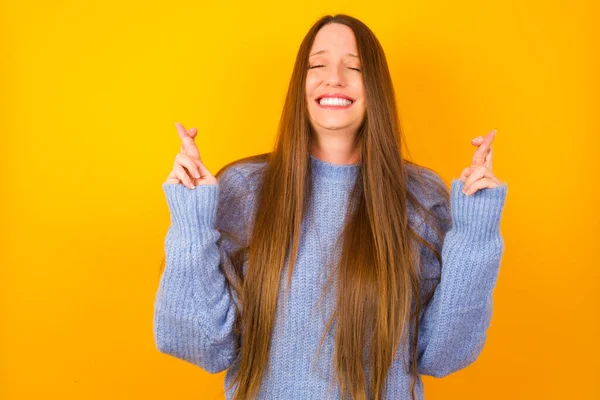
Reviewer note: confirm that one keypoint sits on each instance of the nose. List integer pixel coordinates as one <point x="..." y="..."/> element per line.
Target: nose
<point x="336" y="76"/>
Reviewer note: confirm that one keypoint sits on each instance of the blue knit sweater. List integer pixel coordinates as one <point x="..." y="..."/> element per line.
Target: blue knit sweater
<point x="194" y="312"/>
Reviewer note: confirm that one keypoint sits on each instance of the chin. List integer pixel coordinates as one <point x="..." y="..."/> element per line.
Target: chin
<point x="335" y="125"/>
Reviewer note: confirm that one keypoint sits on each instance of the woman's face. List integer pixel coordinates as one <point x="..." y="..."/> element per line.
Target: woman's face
<point x="334" y="85"/>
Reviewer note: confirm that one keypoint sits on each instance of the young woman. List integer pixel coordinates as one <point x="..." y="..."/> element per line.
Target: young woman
<point x="330" y="267"/>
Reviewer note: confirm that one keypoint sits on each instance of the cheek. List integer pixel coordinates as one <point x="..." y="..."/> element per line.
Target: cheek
<point x="360" y="88"/>
<point x="311" y="85"/>
<point x="361" y="93"/>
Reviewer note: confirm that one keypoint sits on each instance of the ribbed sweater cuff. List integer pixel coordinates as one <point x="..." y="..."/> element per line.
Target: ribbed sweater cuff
<point x="189" y="207"/>
<point x="477" y="216"/>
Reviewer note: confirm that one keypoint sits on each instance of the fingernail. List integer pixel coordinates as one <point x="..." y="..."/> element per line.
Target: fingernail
<point x="197" y="175"/>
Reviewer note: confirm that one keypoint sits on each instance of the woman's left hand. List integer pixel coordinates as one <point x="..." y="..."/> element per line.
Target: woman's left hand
<point x="479" y="175"/>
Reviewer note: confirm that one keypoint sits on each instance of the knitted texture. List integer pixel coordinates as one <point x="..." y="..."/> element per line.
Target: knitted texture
<point x="194" y="311"/>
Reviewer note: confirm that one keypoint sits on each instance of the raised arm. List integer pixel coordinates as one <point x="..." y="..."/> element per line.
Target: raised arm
<point x="454" y="326"/>
<point x="194" y="311"/>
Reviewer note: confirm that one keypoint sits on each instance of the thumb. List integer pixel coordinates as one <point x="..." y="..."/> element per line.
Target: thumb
<point x="465" y="174"/>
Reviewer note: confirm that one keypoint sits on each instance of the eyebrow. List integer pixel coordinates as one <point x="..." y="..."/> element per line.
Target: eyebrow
<point x="323" y="51"/>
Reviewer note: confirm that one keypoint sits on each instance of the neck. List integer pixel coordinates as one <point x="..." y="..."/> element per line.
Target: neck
<point x="336" y="148"/>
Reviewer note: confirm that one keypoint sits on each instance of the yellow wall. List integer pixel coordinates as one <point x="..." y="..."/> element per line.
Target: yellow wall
<point x="90" y="93"/>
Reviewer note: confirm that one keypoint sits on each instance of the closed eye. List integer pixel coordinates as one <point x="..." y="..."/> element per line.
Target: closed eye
<point x="321" y="65"/>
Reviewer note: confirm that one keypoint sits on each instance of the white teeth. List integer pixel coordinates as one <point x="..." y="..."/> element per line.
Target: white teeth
<point x="334" y="101"/>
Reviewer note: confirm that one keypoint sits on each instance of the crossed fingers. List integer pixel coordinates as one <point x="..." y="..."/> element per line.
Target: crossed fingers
<point x="479" y="175"/>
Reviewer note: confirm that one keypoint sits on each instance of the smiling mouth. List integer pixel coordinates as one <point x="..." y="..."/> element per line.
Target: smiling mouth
<point x="334" y="102"/>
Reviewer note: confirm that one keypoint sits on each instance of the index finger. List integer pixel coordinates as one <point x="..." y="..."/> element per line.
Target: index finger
<point x="480" y="153"/>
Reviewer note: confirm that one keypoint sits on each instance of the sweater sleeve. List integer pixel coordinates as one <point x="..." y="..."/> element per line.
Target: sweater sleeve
<point x="454" y="325"/>
<point x="194" y="311"/>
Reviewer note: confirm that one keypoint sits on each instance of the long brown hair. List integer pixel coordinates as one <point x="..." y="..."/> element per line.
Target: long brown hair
<point x="379" y="281"/>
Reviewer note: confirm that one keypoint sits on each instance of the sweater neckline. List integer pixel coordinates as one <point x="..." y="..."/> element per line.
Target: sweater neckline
<point x="333" y="172"/>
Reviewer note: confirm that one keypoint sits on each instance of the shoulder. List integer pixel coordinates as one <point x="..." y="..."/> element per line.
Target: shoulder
<point x="428" y="188"/>
<point x="242" y="174"/>
<point x="431" y="218"/>
<point x="429" y="207"/>
<point x="238" y="183"/>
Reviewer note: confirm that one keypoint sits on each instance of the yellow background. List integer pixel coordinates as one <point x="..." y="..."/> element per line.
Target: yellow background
<point x="90" y="94"/>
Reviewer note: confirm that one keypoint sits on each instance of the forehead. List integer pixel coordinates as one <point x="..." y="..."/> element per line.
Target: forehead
<point x="334" y="39"/>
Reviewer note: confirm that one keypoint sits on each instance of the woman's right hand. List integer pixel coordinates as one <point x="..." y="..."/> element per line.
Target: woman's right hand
<point x="188" y="167"/>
